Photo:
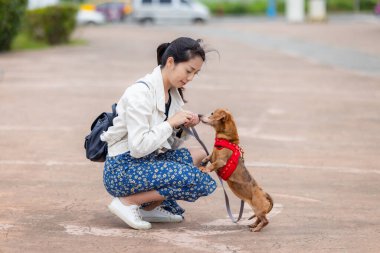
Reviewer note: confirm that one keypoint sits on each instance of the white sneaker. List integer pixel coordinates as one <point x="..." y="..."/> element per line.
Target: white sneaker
<point x="159" y="214"/>
<point x="129" y="214"/>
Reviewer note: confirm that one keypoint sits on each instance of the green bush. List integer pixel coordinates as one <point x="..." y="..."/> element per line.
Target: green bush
<point x="340" y="5"/>
<point x="11" y="14"/>
<point x="348" y="5"/>
<point x="257" y="7"/>
<point x="234" y="7"/>
<point x="280" y="6"/>
<point x="53" y="24"/>
<point x="73" y="1"/>
<point x="368" y="5"/>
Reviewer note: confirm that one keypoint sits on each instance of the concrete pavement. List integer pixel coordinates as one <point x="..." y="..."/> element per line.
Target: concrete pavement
<point x="307" y="103"/>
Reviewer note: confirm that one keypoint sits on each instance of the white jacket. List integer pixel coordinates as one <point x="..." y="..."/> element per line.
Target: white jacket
<point x="140" y="127"/>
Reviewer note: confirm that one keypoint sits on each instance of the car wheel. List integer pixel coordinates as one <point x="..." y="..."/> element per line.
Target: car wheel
<point x="91" y="23"/>
<point x="146" y="21"/>
<point x="199" y="21"/>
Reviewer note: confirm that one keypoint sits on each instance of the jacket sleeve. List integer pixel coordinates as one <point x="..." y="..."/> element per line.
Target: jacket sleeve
<point x="143" y="139"/>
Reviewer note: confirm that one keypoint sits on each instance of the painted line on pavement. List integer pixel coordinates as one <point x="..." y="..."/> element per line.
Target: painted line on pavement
<point x="272" y="137"/>
<point x="295" y="197"/>
<point x="5" y="226"/>
<point x="38" y="128"/>
<point x="253" y="132"/>
<point x="248" y="164"/>
<point x="307" y="167"/>
<point x="277" y="209"/>
<point x="349" y="59"/>
<point x="47" y="163"/>
<point x="181" y="237"/>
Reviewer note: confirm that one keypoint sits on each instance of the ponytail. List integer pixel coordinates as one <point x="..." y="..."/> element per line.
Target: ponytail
<point x="160" y="52"/>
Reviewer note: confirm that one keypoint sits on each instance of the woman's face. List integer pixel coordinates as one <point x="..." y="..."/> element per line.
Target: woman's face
<point x="182" y="73"/>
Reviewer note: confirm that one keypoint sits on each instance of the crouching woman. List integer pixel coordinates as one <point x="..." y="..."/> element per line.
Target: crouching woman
<point x="145" y="171"/>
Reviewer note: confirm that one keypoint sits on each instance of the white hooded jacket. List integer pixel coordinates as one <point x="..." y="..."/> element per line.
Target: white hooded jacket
<point x="140" y="127"/>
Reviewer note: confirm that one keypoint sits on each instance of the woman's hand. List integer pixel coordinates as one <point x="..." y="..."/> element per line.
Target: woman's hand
<point x="181" y="118"/>
<point x="194" y="120"/>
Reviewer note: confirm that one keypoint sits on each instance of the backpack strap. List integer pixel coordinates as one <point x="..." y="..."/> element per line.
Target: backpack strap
<point x="99" y="118"/>
<point x="114" y="113"/>
<point x="114" y="109"/>
<point x="140" y="81"/>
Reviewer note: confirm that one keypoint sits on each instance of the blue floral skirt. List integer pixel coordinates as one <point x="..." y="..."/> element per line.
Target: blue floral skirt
<point x="172" y="174"/>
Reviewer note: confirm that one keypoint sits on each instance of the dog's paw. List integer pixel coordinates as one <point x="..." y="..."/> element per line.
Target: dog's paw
<point x="256" y="229"/>
<point x="204" y="169"/>
<point x="205" y="160"/>
<point x="253" y="225"/>
<point x="258" y="225"/>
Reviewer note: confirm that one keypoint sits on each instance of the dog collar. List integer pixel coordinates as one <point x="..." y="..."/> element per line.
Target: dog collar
<point x="226" y="171"/>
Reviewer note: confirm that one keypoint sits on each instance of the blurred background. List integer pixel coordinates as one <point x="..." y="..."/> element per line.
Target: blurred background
<point x="301" y="78"/>
<point x="37" y="23"/>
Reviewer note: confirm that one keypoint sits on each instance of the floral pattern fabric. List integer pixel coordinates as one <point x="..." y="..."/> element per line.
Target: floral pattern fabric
<point x="172" y="174"/>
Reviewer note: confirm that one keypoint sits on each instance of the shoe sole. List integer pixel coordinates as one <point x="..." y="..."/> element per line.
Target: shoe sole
<point x="158" y="220"/>
<point x="116" y="212"/>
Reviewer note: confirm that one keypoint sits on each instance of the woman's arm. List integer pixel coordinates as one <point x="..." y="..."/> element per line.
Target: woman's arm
<point x="142" y="138"/>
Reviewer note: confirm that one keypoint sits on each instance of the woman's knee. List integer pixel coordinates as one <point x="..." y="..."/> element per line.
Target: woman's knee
<point x="197" y="154"/>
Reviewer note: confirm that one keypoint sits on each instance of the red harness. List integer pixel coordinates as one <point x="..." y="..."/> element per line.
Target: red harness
<point x="226" y="171"/>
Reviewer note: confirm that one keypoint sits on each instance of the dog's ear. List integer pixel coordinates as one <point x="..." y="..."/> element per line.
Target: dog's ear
<point x="227" y="116"/>
<point x="222" y="116"/>
<point x="218" y="115"/>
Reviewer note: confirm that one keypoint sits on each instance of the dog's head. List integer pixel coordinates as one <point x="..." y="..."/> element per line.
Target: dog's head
<point x="221" y="120"/>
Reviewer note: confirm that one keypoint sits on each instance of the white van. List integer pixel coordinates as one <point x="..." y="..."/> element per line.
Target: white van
<point x="169" y="11"/>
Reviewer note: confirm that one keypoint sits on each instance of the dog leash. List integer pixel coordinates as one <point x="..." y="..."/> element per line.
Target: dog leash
<point x="194" y="133"/>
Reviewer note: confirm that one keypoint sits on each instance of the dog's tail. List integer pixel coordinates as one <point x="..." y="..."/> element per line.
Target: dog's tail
<point x="269" y="198"/>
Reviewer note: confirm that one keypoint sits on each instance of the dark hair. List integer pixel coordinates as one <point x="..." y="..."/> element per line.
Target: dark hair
<point x="181" y="49"/>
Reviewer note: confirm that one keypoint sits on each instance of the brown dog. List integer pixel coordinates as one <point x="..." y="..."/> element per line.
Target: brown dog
<point x="242" y="184"/>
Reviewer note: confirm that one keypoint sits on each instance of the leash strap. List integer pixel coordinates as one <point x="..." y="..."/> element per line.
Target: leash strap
<point x="194" y="133"/>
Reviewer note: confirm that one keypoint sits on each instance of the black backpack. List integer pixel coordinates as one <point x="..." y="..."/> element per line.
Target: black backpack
<point x="96" y="149"/>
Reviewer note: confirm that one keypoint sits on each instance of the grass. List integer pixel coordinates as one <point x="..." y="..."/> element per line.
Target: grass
<point x="24" y="42"/>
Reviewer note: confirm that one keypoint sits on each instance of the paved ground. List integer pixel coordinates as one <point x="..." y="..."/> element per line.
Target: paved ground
<point x="306" y="99"/>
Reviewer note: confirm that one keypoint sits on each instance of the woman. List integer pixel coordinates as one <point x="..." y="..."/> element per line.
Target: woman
<point x="144" y="170"/>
